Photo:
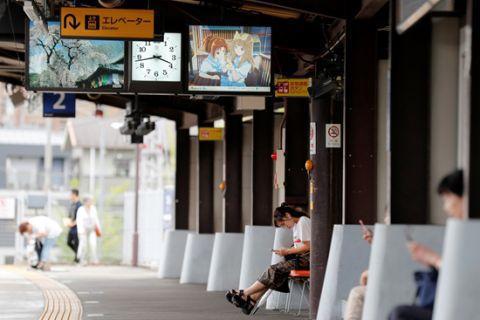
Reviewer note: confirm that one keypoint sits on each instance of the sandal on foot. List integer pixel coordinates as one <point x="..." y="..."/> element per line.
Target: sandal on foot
<point x="246" y="305"/>
<point x="231" y="293"/>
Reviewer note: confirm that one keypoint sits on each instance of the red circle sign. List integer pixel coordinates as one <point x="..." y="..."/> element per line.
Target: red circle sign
<point x="333" y="132"/>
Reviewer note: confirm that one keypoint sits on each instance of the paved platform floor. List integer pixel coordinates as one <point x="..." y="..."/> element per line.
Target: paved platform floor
<point x="119" y="293"/>
<point x="19" y="298"/>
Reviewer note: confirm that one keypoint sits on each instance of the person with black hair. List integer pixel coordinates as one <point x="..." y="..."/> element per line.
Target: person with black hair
<point x="450" y="189"/>
<point x="276" y="276"/>
<point x="72" y="238"/>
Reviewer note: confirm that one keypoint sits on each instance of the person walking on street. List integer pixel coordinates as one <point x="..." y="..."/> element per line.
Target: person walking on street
<point x="88" y="228"/>
<point x="47" y="231"/>
<point x="72" y="238"/>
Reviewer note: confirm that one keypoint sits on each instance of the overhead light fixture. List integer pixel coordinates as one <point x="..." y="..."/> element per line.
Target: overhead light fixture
<point x="247" y="118"/>
<point x="219" y="123"/>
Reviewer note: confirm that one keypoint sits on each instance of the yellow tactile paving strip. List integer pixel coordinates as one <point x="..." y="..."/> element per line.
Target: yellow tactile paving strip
<point x="61" y="303"/>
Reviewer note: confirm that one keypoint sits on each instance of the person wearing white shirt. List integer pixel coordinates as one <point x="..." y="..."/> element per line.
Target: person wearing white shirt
<point x="47" y="231"/>
<point x="88" y="228"/>
<point x="276" y="276"/>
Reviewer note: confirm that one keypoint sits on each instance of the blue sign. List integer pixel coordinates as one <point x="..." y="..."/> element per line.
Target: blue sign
<point x="59" y="105"/>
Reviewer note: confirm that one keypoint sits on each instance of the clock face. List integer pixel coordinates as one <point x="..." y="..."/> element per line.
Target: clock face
<point x="157" y="61"/>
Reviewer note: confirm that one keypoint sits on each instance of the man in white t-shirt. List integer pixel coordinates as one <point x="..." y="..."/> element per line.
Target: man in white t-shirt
<point x="44" y="229"/>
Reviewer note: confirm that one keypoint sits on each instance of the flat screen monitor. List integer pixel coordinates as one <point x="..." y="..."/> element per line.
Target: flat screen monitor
<point x="56" y="64"/>
<point x="229" y="59"/>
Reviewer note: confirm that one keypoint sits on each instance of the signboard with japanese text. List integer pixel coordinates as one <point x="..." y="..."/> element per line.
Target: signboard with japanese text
<point x="313" y="138"/>
<point x="333" y="135"/>
<point x="107" y="23"/>
<point x="7" y="208"/>
<point x="292" y="87"/>
<point x="210" y="134"/>
<point x="60" y="105"/>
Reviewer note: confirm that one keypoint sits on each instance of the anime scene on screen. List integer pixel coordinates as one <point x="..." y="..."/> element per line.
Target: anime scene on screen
<point x="56" y="63"/>
<point x="230" y="59"/>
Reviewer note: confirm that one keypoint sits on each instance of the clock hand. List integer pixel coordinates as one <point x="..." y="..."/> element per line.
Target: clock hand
<point x="160" y="58"/>
<point x="145" y="59"/>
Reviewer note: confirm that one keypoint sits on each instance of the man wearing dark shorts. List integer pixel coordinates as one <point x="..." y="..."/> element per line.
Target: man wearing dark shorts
<point x="72" y="239"/>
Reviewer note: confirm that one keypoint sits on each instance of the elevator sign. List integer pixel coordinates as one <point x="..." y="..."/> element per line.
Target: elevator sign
<point x="333" y="135"/>
<point x="99" y="23"/>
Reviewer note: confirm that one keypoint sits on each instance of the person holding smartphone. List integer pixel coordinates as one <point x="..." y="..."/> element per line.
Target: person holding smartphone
<point x="450" y="190"/>
<point x="356" y="298"/>
<point x="276" y="276"/>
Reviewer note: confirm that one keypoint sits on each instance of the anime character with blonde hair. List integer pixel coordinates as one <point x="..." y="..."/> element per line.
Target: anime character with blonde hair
<point x="240" y="58"/>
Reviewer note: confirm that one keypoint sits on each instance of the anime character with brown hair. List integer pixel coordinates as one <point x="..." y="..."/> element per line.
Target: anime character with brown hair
<point x="214" y="65"/>
<point x="241" y="61"/>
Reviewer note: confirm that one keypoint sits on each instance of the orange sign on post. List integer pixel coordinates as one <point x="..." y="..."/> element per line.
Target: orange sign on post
<point x="293" y="87"/>
<point x="210" y="134"/>
<point x="106" y="23"/>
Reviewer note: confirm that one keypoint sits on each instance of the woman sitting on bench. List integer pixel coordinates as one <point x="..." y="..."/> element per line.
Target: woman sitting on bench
<point x="276" y="276"/>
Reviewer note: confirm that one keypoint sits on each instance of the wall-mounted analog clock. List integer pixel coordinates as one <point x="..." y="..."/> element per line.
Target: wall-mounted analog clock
<point x="156" y="66"/>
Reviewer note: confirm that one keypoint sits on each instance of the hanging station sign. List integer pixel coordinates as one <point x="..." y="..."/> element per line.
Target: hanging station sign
<point x="294" y="87"/>
<point x="210" y="134"/>
<point x="107" y="23"/>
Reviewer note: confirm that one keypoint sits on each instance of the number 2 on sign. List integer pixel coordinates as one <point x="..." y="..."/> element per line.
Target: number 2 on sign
<point x="59" y="104"/>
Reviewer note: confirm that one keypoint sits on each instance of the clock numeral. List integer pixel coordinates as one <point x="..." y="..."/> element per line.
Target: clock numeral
<point x="171" y="49"/>
<point x="143" y="49"/>
<point x="148" y="43"/>
<point x="174" y="57"/>
<point x="148" y="71"/>
<point x="139" y="57"/>
<point x="165" y="43"/>
<point x="142" y="65"/>
<point x="165" y="72"/>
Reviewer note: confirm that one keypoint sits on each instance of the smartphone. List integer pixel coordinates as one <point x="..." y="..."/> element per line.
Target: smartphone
<point x="408" y="234"/>
<point x="364" y="228"/>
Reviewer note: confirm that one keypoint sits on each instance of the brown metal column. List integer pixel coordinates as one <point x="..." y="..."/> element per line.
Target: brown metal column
<point x="262" y="167"/>
<point x="182" y="179"/>
<point x="360" y="122"/>
<point x="296" y="151"/>
<point x="409" y="121"/>
<point x="326" y="184"/>
<point x="473" y="170"/>
<point x="233" y="136"/>
<point x="205" y="185"/>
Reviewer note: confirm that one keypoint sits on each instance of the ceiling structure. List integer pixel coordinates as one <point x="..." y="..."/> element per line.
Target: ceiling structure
<point x="319" y="22"/>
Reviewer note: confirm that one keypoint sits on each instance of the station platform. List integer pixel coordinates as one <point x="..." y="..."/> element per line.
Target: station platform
<point x="111" y="292"/>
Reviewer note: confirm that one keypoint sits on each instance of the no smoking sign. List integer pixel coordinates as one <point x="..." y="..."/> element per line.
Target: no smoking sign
<point x="333" y="135"/>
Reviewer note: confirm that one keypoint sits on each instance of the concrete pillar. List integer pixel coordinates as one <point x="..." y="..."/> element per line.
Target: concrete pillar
<point x="326" y="190"/>
<point x="182" y="179"/>
<point x="360" y="117"/>
<point x="262" y="167"/>
<point x="232" y="212"/>
<point x="409" y="121"/>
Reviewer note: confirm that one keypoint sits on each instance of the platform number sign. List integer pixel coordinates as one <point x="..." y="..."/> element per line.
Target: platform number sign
<point x="59" y="105"/>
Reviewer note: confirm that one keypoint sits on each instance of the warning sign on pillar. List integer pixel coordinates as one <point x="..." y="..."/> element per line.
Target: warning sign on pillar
<point x="313" y="138"/>
<point x="333" y="135"/>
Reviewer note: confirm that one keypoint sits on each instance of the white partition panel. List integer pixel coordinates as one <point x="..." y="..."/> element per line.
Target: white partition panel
<point x="257" y="253"/>
<point x="348" y="258"/>
<point x="391" y="268"/>
<point x="458" y="290"/>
